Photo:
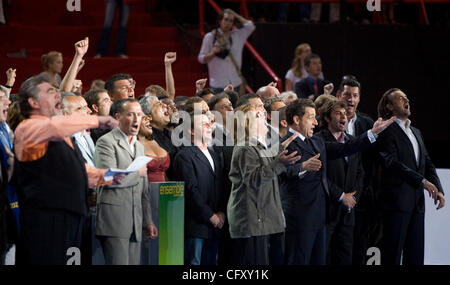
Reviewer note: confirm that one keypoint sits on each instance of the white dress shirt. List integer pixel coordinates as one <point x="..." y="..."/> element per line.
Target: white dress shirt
<point x="405" y="126"/>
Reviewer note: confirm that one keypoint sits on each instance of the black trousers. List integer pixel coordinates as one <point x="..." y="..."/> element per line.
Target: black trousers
<point x="225" y="254"/>
<point x="276" y="248"/>
<point x="306" y="247"/>
<point x="403" y="233"/>
<point x="251" y="251"/>
<point x="339" y="244"/>
<point x="46" y="235"/>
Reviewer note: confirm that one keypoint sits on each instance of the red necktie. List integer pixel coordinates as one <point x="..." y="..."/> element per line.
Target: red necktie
<point x="316" y="89"/>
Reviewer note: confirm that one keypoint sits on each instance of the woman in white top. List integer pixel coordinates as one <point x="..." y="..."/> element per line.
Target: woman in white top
<point x="53" y="64"/>
<point x="297" y="71"/>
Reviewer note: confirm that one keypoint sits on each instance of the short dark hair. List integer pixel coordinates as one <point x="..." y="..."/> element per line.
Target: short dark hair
<point x="120" y="104"/>
<point x="109" y="84"/>
<point x="204" y="92"/>
<point x="29" y="89"/>
<point x="350" y="82"/>
<point x="327" y="108"/>
<point x="233" y="96"/>
<point x="216" y="99"/>
<point x="309" y="58"/>
<point x="297" y="108"/>
<point x="383" y="110"/>
<point x="244" y="100"/>
<point x="91" y="97"/>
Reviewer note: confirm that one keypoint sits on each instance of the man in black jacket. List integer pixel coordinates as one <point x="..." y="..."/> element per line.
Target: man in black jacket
<point x="201" y="170"/>
<point x="367" y="212"/>
<point x="345" y="180"/>
<point x="407" y="170"/>
<point x="308" y="191"/>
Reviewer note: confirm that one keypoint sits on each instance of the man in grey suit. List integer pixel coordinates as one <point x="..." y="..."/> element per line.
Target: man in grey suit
<point x="123" y="210"/>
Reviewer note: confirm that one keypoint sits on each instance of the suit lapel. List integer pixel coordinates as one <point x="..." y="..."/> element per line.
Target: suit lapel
<point x="405" y="138"/>
<point x="303" y="146"/>
<point x="121" y="141"/>
<point x="421" y="146"/>
<point x="202" y="158"/>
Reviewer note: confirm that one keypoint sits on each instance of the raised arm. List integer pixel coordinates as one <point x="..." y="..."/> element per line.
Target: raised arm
<point x="81" y="48"/>
<point x="170" y="58"/>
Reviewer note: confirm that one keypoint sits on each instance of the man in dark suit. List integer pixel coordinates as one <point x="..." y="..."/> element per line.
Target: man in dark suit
<point x="223" y="146"/>
<point x="312" y="86"/>
<point x="307" y="194"/>
<point x="201" y="170"/>
<point x="367" y="214"/>
<point x="345" y="180"/>
<point x="407" y="170"/>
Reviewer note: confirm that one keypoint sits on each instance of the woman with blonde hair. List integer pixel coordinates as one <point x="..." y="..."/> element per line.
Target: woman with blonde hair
<point x="53" y="64"/>
<point x="297" y="71"/>
<point x="254" y="208"/>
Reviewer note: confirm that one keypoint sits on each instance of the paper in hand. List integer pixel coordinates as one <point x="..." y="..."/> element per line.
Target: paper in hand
<point x="133" y="167"/>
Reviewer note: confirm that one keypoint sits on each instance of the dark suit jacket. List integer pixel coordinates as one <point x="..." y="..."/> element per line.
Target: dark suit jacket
<point x="305" y="87"/>
<point x="343" y="177"/>
<point x="203" y="190"/>
<point x="304" y="204"/>
<point x="402" y="177"/>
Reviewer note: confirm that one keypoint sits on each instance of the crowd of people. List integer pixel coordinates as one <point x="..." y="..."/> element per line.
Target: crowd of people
<point x="293" y="178"/>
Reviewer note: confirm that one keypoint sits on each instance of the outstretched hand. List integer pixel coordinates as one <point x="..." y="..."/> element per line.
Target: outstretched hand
<point x="380" y="125"/>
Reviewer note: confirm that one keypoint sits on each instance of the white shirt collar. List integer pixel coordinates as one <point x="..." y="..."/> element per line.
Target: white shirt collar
<point x="302" y="137"/>
<point x="402" y="124"/>
<point x="133" y="140"/>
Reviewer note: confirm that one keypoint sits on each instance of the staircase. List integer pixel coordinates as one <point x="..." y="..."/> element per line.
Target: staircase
<point x="150" y="35"/>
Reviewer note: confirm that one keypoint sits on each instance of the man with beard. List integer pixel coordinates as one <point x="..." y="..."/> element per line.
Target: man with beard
<point x="407" y="170"/>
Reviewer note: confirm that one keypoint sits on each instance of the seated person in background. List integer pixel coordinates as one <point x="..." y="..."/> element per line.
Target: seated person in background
<point x="311" y="86"/>
<point x="53" y="64"/>
<point x="297" y="71"/>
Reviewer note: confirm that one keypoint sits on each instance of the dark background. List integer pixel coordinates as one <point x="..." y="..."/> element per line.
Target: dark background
<point x="415" y="59"/>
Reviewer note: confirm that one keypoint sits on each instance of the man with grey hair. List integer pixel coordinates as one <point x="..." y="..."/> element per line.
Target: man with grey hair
<point x="53" y="195"/>
<point x="288" y="97"/>
<point x="160" y="119"/>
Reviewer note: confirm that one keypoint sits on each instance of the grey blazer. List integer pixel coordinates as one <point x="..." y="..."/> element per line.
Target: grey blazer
<point x="120" y="207"/>
<point x="254" y="207"/>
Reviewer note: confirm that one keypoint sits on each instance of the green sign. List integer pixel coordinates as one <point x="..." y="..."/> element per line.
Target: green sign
<point x="171" y="223"/>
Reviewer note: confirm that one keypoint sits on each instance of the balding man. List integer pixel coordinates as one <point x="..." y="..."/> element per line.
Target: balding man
<point x="267" y="92"/>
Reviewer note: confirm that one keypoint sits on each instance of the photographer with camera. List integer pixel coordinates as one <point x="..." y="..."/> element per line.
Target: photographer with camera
<point x="222" y="51"/>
